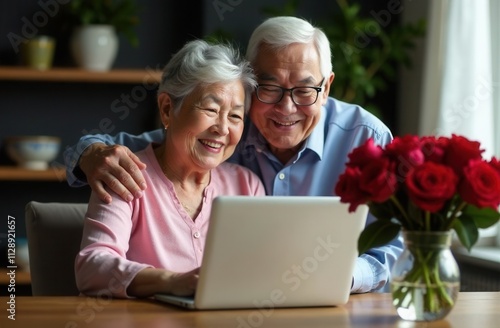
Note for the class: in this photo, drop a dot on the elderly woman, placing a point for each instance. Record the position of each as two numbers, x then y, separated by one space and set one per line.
154 244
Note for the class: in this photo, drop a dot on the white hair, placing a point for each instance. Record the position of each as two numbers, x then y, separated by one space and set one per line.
279 32
200 62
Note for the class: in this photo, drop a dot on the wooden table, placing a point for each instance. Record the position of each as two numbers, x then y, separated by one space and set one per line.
473 309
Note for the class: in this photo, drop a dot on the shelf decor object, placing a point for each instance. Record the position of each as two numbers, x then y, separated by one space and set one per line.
38 52
94 42
33 152
427 187
94 47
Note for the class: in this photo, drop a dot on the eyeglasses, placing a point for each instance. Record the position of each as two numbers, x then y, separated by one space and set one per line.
301 96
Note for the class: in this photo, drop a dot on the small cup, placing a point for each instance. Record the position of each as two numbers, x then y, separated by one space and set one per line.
38 52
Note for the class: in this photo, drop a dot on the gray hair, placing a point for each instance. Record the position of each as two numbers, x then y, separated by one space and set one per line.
279 32
200 63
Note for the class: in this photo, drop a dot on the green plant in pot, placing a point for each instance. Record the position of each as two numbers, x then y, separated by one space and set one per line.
97 23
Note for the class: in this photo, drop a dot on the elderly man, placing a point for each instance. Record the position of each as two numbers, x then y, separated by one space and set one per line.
297 139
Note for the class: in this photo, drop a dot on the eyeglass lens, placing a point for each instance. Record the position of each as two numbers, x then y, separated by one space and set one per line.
273 94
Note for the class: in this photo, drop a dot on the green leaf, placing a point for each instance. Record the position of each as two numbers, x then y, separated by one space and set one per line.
382 211
377 234
483 217
352 11
466 230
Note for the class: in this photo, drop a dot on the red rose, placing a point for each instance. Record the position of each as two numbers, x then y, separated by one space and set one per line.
430 185
434 148
348 188
460 151
495 163
480 185
406 152
364 154
378 180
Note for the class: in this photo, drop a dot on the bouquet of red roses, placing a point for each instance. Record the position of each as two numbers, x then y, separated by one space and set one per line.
422 184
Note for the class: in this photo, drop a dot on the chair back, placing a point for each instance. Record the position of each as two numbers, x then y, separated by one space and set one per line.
54 232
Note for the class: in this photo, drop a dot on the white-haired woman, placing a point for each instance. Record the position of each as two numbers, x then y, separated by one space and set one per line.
154 244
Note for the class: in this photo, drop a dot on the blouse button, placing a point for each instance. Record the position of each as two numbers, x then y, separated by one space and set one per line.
197 234
282 176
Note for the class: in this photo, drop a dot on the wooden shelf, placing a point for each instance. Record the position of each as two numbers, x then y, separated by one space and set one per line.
14 173
22 277
143 76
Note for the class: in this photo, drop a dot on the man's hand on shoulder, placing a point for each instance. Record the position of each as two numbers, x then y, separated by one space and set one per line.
114 166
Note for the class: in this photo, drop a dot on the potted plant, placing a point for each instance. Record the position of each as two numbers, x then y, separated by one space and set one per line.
94 42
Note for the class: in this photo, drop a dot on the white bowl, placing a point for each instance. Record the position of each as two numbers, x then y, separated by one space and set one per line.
33 152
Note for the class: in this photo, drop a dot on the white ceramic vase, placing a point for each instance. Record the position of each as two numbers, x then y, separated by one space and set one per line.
94 47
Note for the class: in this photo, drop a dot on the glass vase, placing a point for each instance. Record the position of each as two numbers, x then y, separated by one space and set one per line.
425 279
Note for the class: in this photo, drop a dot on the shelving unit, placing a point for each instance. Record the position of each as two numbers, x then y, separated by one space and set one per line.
71 75
13 173
22 277
15 73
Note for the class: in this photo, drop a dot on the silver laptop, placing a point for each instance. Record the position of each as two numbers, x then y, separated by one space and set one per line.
276 251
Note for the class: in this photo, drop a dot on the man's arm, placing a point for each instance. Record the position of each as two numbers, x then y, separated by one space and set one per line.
109 160
372 271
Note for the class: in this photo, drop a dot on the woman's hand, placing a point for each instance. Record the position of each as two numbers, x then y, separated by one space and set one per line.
151 281
184 284
114 166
